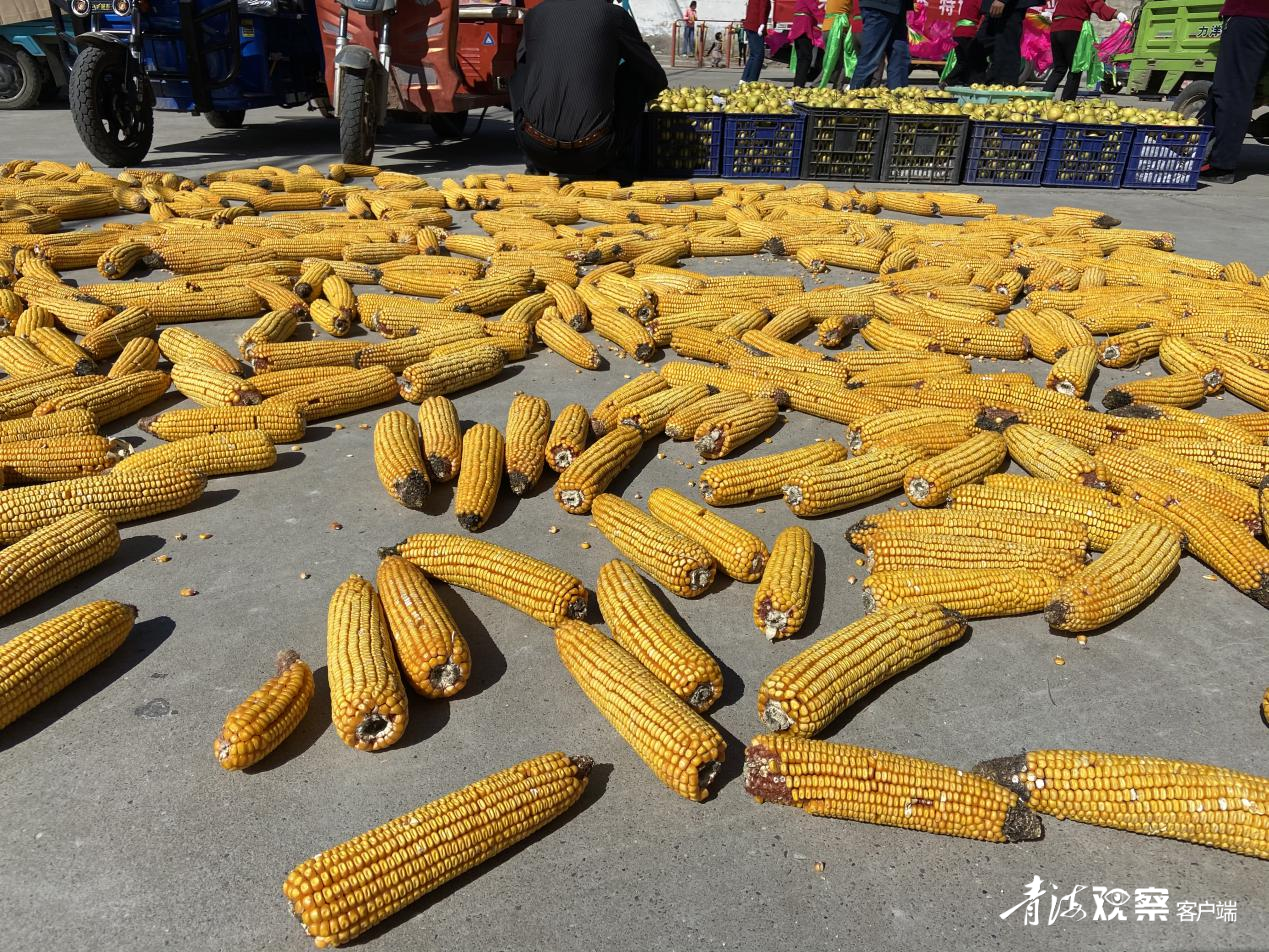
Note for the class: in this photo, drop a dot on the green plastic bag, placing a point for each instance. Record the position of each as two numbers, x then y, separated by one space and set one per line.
948 66
834 49
1086 60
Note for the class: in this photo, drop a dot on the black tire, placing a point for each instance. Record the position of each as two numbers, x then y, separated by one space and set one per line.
225 118
21 78
1191 100
448 125
358 118
109 106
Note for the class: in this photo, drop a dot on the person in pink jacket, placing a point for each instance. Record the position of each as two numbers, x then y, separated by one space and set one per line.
806 34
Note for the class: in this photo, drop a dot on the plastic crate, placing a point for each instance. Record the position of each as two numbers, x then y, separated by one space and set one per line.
928 150
1007 153
965 94
1166 156
1087 156
843 144
682 144
761 146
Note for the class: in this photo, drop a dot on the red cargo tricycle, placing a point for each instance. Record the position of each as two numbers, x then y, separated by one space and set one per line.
430 59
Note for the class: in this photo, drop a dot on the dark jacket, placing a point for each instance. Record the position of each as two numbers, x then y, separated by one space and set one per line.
1246 8
889 6
1011 6
566 69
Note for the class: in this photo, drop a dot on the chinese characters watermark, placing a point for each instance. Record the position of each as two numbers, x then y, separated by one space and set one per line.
1111 904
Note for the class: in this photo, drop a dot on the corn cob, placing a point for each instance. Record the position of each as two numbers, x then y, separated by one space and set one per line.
872 786
680 747
1049 456
368 703
139 354
180 345
1184 801
70 423
484 452
281 423
442 375
1072 373
1256 424
43 660
399 353
442 437
818 490
1247 383
270 356
595 468
719 435
111 399
567 438
329 318
1181 390
61 350
1244 462
20 358
568 343
1184 477
399 459
54 458
528 433
901 549
974 593
1179 356
683 566
541 591
928 482
1175 418
935 429
331 901
1129 348
342 394
309 283
808 692
53 554
433 654
221 303
605 415
783 595
216 454
641 626
23 398
739 553
212 388
255 728
31 318
281 381
649 414
109 338
726 484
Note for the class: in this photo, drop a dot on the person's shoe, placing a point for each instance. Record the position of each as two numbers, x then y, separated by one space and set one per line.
1216 176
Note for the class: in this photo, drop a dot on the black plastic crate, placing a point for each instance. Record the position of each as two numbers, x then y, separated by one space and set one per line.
1166 156
1087 156
926 150
682 144
843 144
1007 153
762 146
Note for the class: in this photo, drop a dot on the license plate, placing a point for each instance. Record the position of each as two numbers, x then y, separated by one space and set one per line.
102 6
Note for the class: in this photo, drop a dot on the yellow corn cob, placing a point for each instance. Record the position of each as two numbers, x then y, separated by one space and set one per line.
974 593
572 309
528 432
281 423
1048 456
566 342
722 434
830 487
442 437
1184 801
339 293
112 399
255 728
567 438
268 356
43 660
368 703
1072 373
649 414
1091 430
1256 424
342 394
61 350
684 422
53 554
701 343
399 459
329 318
727 484
475 824
935 429
872 786
1221 543
442 375
624 331
641 626
1132 347
54 458
784 592
1192 481
595 468
680 564
1179 356
138 355
680 747
180 345
1244 462
605 415
20 358
277 297
808 692
928 482
1247 383
34 316
399 353
433 654
109 339
309 283
216 454
280 381
484 452
212 388
22 400
902 549
541 591
739 553
70 423
1132 569
1181 390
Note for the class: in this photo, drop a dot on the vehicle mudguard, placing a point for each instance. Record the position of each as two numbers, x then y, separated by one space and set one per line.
356 58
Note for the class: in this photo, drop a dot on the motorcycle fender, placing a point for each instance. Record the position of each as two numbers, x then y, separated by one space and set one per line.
105 41
355 59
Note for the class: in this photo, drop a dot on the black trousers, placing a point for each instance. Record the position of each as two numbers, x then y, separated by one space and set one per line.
1240 62
802 46
1063 44
971 62
1003 36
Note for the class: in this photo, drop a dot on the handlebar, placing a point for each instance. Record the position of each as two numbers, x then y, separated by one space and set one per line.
490 11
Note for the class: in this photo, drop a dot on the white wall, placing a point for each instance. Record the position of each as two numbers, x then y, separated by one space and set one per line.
656 16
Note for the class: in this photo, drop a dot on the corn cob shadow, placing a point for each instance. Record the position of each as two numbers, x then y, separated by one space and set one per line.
131 549
596 784
287 460
815 607
313 725
489 664
208 500
440 499
314 433
646 455
144 638
165 402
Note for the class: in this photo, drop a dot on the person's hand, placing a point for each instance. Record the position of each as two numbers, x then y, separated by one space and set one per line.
1121 17
997 8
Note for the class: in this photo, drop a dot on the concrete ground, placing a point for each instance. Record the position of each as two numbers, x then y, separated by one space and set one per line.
120 831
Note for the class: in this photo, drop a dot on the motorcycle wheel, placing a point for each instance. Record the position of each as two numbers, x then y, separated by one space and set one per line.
109 107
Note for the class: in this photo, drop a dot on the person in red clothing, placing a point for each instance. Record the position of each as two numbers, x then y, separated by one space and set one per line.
1240 62
805 34
971 55
757 12
1069 18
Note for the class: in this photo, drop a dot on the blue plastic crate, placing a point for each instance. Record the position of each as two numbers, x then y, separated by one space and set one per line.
923 149
1007 153
843 144
760 146
1166 156
1087 156
682 144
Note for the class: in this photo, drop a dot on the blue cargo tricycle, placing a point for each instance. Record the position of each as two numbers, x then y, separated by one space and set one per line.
31 66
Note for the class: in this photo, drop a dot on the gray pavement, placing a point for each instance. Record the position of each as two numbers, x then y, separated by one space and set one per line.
121 832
